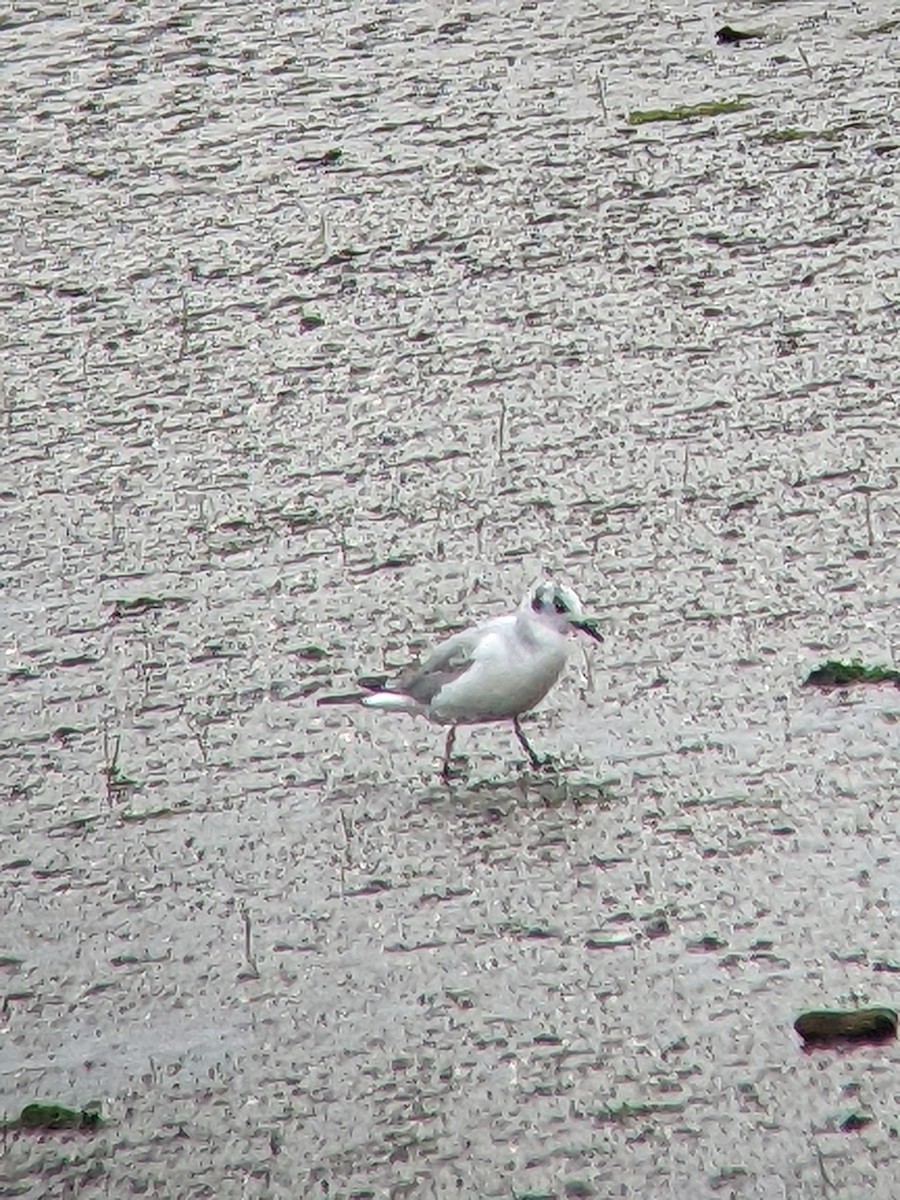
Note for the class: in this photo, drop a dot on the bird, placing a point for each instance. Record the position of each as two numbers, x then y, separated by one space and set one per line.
494 671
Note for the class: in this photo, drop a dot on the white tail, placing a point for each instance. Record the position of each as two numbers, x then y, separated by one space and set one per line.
389 700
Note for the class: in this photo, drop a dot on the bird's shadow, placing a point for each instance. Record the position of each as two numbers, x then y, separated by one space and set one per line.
539 789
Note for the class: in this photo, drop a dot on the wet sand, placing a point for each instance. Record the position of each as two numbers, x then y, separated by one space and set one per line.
319 409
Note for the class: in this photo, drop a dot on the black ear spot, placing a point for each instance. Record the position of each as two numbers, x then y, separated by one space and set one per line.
537 601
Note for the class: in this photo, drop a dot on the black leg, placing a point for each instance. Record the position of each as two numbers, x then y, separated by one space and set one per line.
536 760
448 754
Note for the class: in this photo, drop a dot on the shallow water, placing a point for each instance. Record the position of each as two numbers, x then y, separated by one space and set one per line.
660 360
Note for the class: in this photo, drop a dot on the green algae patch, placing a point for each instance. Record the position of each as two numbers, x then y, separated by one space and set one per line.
838 674
54 1117
859 1025
777 137
687 112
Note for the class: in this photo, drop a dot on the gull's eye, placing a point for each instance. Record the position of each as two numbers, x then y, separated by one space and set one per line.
560 605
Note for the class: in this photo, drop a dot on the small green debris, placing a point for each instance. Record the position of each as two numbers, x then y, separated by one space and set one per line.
615 1113
56 1116
727 1175
708 942
133 817
860 1025
310 321
302 518
77 824
611 942
884 28
687 112
372 888
136 607
727 36
19 674
116 779
103 985
776 137
835 674
65 732
328 159
855 1121
547 1039
311 653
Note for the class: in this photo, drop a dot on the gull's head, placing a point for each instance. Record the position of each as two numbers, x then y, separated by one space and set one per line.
558 606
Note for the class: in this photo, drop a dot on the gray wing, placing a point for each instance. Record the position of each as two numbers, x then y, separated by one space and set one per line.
445 664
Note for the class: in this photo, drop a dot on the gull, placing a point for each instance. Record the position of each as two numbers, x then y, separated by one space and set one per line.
494 671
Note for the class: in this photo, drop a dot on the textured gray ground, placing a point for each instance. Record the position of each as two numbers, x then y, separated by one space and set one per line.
659 360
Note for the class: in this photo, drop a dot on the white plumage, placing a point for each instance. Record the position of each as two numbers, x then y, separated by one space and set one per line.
495 671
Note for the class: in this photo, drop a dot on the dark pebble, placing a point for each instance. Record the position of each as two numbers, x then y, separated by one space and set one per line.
863 1025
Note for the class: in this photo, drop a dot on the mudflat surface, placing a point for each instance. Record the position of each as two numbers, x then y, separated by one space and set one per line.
273 415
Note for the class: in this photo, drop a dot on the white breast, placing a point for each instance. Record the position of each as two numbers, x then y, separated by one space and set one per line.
509 675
